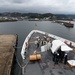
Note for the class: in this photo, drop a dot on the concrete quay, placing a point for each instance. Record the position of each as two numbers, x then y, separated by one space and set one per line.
7 53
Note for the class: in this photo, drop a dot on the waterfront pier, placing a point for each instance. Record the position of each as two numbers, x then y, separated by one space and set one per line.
7 50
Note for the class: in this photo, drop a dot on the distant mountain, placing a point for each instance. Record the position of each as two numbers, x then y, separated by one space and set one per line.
38 15
30 15
59 16
71 16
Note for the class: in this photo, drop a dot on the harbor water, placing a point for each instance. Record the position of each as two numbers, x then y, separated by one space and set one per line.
22 28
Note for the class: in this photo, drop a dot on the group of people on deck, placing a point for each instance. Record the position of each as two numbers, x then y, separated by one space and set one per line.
42 41
60 56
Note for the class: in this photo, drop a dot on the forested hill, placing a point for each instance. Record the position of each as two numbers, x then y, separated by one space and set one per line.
33 15
65 16
37 15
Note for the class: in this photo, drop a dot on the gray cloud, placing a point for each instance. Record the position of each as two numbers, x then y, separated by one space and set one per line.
17 1
20 1
41 6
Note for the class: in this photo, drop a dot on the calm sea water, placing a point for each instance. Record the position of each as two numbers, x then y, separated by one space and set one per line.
22 28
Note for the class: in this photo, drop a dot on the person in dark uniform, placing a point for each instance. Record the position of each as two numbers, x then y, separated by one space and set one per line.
37 44
62 55
56 57
65 59
42 43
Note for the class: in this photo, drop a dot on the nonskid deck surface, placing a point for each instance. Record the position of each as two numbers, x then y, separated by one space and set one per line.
45 66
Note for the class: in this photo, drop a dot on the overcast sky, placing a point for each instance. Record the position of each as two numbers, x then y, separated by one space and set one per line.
38 6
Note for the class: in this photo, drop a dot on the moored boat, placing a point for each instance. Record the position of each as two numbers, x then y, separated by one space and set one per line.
68 24
46 54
